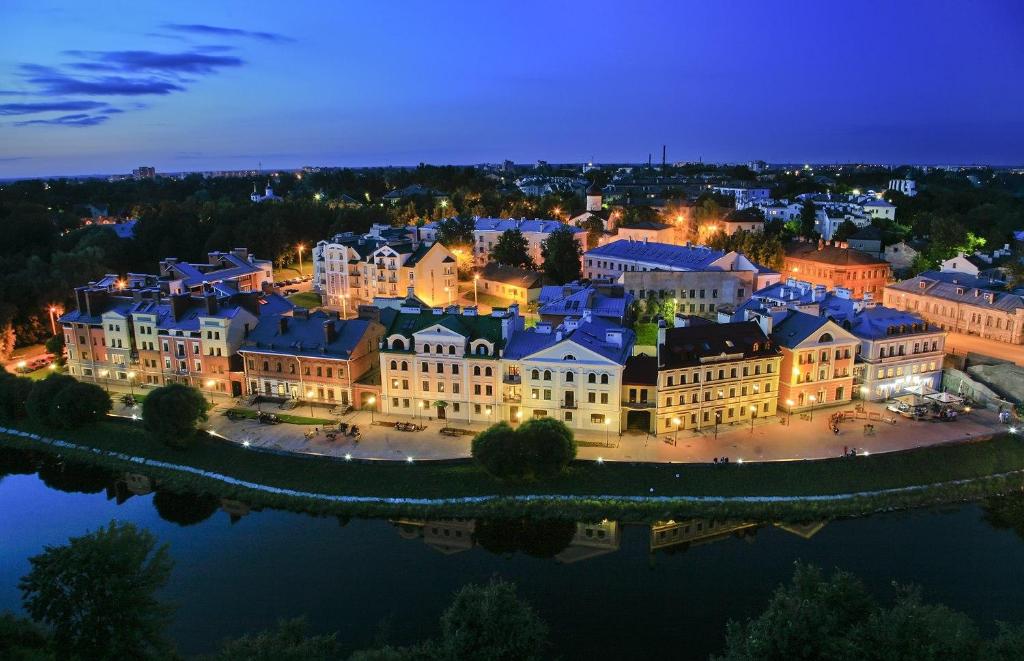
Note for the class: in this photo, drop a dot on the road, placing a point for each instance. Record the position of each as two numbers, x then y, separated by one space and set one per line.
960 344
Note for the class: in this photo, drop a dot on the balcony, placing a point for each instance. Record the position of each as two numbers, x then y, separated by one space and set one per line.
568 405
512 399
514 379
647 404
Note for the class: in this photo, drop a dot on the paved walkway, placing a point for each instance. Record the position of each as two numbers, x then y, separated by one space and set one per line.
961 344
776 439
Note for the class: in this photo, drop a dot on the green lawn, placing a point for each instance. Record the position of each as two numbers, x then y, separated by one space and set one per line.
306 299
432 480
646 334
286 418
290 271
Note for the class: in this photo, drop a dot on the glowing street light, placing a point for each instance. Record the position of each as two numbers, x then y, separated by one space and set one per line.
607 428
519 416
309 398
371 402
131 383
448 290
789 406
476 301
753 414
813 400
210 384
105 374
54 310
678 423
419 411
299 248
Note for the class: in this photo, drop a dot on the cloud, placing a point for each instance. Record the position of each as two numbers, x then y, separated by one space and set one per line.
49 106
78 119
213 30
145 61
54 82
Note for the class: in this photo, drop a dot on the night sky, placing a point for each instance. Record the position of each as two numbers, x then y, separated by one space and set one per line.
103 87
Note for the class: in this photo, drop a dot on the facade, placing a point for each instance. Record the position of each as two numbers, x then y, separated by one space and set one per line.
521 286
906 186
315 357
624 256
880 208
241 270
836 267
745 197
817 359
651 231
715 374
351 270
489 229
960 303
901 255
446 363
572 372
640 393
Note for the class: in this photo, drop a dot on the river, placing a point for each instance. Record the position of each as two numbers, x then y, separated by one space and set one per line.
607 589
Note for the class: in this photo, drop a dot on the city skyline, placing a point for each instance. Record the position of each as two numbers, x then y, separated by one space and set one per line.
192 87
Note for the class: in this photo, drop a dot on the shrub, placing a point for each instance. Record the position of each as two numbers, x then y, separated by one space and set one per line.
172 413
538 448
14 391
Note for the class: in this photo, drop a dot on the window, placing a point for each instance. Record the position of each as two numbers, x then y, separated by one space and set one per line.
604 379
597 418
394 364
604 398
569 377
547 375
426 386
451 350
476 370
455 369
535 374
591 378
488 371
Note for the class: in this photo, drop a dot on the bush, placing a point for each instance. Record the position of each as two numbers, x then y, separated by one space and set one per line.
40 401
172 413
538 448
79 404
491 622
14 392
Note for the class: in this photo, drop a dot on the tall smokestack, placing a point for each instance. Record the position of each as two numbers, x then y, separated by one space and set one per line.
664 152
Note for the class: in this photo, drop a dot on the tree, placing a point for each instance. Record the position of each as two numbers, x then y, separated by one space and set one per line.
14 392
561 253
491 623
538 448
21 640
40 401
288 641
457 231
512 249
846 229
79 404
173 412
915 630
55 345
808 215
185 509
97 593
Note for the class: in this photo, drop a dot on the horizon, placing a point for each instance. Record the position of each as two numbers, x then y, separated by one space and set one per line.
194 88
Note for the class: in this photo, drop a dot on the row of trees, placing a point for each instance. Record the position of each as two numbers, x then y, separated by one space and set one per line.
58 401
97 597
537 448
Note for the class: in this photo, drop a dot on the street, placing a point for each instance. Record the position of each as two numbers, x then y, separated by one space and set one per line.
961 344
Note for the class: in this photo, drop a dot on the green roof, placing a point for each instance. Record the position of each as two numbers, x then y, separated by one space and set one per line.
473 328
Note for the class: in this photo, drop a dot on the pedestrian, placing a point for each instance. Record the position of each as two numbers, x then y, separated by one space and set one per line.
715 460
846 450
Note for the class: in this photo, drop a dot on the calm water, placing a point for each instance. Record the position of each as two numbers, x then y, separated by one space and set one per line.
611 589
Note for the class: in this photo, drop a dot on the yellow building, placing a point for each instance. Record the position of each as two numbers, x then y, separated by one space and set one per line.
715 374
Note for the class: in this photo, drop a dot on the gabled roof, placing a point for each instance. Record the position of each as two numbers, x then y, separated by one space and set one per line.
591 335
961 288
687 345
640 371
828 254
470 327
662 255
575 299
796 327
511 275
306 336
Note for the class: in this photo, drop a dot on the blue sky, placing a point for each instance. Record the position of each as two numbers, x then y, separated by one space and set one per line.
105 87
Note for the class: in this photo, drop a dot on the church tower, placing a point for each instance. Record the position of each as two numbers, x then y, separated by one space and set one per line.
593 198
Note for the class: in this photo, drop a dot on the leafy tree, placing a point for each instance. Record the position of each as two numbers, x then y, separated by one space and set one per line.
41 400
914 630
846 229
457 231
79 404
289 640
173 412
14 392
97 594
185 509
538 448
512 249
491 623
21 640
561 253
1008 645
807 217
55 345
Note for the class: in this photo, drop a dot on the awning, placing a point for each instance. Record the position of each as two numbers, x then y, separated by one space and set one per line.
945 398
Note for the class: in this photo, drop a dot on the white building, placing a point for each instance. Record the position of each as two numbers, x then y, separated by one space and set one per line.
906 186
488 230
745 197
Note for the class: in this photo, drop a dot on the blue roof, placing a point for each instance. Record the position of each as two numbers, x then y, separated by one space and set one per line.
588 334
306 336
872 322
505 224
796 327
573 299
665 255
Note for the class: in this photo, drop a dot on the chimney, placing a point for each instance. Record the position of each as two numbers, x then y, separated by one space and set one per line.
367 313
282 325
300 313
80 298
211 302
330 332
662 326
179 305
613 337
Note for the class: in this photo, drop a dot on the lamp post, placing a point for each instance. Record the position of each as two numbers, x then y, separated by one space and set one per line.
419 412
753 412
344 306
488 411
372 401
309 399
678 423
476 300
54 311
607 428
131 383
519 416
299 248
106 384
448 290
210 383
789 408
813 399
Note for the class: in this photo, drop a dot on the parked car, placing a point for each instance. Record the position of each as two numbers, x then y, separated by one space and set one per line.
291 290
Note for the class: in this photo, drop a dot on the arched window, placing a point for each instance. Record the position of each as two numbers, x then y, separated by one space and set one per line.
569 377
604 378
266 366
451 350
405 366
440 349
825 337
394 364
398 344
547 375
754 347
591 378
535 374
481 350
488 372
569 356
476 370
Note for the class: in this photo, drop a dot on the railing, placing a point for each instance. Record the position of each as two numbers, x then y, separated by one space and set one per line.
512 378
512 399
568 405
648 404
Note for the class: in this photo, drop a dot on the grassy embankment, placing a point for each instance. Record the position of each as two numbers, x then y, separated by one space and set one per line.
979 462
284 417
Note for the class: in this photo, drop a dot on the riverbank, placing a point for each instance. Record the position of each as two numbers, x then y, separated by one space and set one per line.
588 490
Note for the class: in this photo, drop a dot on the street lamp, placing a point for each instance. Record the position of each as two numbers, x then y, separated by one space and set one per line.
344 306
448 290
309 398
210 383
488 410
813 399
678 423
476 301
607 428
54 311
299 248
519 416
753 411
106 384
372 401
789 407
131 383
419 412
